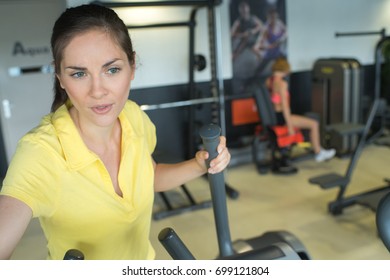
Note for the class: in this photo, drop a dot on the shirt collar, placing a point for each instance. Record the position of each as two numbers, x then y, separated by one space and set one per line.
75 151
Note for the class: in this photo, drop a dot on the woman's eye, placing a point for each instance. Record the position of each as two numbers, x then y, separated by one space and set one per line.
78 75
113 70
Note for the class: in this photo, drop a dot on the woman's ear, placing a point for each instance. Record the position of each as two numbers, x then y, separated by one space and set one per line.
57 75
59 81
133 66
132 75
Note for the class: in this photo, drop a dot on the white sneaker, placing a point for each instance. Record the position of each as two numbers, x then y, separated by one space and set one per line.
325 155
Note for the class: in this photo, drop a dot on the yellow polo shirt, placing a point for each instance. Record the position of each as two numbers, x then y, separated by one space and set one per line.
69 189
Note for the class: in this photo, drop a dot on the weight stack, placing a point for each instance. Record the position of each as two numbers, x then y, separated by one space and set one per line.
336 98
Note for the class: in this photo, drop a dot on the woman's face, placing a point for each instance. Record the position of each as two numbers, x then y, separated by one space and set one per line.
96 74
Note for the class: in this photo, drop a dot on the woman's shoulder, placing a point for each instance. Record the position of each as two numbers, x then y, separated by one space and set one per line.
132 109
136 117
43 136
44 130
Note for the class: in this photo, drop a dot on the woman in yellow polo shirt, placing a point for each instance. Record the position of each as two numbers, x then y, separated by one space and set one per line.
86 171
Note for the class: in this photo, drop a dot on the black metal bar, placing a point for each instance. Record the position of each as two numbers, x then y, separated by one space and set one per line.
210 136
363 138
159 3
191 86
188 194
180 210
378 64
213 68
216 50
354 199
174 245
166 200
172 211
382 32
157 25
174 104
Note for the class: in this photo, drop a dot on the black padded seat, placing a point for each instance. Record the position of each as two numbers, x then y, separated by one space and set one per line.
346 128
328 181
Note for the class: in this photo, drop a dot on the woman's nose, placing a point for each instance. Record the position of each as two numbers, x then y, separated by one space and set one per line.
98 89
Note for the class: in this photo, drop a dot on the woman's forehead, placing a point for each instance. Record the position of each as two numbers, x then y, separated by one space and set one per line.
92 44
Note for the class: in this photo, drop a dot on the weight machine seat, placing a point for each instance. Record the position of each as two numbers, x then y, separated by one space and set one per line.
383 220
278 136
283 138
330 180
268 119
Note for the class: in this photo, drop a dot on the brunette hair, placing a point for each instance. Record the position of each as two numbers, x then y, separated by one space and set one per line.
77 20
281 64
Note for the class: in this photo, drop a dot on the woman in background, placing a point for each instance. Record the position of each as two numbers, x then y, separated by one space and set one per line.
280 98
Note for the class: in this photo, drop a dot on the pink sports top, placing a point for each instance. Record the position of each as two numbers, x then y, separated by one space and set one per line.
276 98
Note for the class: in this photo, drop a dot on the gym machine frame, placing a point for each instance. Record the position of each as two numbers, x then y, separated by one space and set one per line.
371 198
280 245
195 62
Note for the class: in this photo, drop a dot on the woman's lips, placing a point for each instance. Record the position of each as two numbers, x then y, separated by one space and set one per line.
102 109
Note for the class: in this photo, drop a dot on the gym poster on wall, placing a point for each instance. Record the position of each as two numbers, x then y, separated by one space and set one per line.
258 36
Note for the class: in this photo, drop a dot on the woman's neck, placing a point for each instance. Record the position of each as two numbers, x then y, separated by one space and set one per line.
95 136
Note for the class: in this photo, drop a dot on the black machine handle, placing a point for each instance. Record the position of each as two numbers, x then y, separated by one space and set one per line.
174 246
210 137
74 254
382 220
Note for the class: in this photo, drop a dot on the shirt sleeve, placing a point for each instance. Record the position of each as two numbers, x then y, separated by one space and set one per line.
31 177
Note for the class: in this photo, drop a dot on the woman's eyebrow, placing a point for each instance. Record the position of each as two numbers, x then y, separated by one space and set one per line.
76 68
80 68
110 62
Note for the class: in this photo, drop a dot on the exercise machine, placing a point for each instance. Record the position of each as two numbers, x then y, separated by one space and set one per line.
74 255
280 141
270 245
336 98
371 198
272 138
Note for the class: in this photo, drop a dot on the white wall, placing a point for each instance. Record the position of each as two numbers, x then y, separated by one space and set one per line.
312 24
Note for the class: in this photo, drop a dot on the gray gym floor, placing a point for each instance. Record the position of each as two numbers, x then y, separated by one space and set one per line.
270 202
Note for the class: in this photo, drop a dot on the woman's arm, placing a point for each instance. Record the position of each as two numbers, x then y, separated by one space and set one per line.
286 106
259 44
234 30
15 216
259 26
169 176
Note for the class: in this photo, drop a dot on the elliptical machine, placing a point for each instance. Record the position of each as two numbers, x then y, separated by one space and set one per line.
268 246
